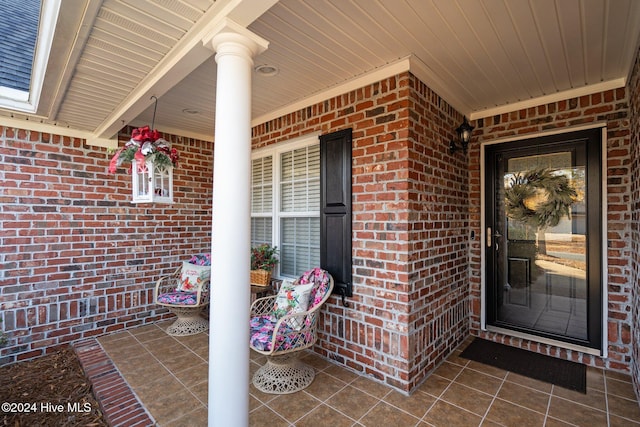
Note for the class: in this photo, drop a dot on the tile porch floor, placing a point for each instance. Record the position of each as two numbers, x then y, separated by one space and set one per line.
165 372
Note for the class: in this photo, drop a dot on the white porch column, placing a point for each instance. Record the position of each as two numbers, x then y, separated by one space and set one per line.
235 47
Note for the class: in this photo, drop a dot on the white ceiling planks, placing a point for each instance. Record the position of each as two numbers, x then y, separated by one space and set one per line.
481 55
128 39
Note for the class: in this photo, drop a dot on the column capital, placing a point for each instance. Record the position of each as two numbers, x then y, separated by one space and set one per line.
230 33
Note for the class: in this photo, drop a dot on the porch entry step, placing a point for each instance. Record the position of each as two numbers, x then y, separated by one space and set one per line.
563 373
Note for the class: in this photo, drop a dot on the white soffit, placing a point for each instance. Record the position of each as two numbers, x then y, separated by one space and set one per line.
484 57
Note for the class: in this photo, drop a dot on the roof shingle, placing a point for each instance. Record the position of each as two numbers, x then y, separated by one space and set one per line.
19 30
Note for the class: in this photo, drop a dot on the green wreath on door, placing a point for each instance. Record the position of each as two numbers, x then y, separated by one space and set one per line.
553 193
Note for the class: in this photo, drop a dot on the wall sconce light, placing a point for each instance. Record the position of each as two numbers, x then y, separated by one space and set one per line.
464 136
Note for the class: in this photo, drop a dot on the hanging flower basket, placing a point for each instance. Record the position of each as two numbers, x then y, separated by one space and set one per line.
145 144
152 161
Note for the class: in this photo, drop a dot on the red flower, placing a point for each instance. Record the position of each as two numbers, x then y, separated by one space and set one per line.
163 149
144 134
143 142
174 156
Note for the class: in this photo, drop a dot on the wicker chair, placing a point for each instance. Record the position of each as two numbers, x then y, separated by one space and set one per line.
186 305
281 336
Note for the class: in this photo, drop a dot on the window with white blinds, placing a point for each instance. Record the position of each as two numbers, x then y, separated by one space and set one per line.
261 200
285 204
300 180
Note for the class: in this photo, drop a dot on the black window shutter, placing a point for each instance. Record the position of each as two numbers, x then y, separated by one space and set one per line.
335 209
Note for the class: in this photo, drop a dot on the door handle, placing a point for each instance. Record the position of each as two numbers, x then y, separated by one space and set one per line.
490 237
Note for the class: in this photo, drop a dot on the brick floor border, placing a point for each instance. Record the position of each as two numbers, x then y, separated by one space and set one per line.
119 404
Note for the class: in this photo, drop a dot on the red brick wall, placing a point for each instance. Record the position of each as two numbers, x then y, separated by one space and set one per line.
412 257
438 227
409 227
77 258
634 104
613 107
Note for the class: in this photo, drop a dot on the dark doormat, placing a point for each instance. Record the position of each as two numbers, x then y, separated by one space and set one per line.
563 373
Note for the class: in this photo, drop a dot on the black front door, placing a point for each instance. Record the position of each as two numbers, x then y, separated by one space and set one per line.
543 237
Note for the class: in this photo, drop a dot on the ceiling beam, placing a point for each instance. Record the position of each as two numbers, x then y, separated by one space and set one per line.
74 25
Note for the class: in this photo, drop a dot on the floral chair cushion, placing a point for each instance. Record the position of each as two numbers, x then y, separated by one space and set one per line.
262 329
292 298
293 332
179 298
201 259
192 276
320 280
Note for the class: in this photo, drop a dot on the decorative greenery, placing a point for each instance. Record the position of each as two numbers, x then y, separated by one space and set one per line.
526 203
264 257
145 144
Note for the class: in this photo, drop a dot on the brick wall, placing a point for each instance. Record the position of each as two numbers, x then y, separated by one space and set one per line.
77 259
80 260
438 234
612 106
634 103
409 226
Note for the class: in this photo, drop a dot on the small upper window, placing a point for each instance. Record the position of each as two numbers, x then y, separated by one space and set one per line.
27 32
19 27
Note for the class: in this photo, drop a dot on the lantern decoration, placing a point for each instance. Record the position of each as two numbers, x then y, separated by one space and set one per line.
151 161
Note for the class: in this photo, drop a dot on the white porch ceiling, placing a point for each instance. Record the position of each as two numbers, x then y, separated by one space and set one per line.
480 55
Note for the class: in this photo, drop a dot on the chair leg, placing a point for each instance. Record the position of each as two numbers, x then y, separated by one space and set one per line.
283 375
188 322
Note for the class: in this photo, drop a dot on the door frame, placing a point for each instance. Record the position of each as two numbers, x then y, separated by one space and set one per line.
603 237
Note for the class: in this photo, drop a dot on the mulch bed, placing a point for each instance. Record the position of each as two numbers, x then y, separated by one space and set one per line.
49 391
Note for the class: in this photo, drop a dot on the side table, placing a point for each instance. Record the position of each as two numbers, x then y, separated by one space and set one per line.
261 291
265 291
